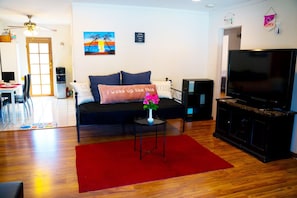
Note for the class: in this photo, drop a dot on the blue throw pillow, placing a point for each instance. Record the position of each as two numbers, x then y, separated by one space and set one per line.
138 78
112 79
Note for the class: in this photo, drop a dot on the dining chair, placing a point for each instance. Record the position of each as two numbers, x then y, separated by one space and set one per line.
28 92
22 98
4 104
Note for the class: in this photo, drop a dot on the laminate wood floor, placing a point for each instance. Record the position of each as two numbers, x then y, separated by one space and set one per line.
45 161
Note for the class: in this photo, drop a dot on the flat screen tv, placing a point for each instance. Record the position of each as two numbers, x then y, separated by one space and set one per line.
262 78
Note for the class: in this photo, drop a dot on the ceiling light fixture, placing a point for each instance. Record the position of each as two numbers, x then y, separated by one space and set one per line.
196 0
30 32
31 27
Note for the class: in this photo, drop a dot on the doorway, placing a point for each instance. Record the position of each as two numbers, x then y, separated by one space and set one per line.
40 65
231 41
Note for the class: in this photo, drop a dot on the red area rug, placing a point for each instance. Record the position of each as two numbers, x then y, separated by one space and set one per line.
112 164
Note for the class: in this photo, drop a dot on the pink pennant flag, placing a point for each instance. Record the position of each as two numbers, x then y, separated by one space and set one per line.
269 21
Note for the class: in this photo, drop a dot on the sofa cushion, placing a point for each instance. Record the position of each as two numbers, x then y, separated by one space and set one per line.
137 78
163 88
83 92
124 93
112 79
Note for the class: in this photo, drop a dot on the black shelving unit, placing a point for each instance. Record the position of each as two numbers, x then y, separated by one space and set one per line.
197 96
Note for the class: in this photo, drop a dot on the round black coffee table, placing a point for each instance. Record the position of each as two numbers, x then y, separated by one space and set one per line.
142 122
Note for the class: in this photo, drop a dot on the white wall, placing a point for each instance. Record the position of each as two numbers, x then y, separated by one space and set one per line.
175 41
251 18
9 59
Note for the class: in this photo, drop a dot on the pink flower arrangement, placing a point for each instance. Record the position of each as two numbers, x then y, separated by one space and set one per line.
151 101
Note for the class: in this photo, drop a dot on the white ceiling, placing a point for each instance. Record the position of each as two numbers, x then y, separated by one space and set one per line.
59 11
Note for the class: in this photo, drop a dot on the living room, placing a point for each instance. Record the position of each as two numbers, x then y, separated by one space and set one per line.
178 43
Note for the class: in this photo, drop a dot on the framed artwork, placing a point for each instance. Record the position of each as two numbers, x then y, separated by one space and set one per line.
99 43
139 37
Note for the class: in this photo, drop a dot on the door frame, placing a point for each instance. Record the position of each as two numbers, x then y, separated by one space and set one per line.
47 40
225 45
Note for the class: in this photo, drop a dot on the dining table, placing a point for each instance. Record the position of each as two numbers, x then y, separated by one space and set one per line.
11 89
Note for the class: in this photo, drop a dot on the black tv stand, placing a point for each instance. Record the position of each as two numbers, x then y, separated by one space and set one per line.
243 102
266 134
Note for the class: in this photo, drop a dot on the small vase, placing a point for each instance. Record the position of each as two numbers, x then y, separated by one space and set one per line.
150 118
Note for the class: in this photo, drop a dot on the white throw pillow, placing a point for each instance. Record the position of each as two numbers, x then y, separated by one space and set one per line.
163 88
84 92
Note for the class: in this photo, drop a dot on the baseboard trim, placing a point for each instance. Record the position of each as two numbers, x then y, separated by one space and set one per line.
294 155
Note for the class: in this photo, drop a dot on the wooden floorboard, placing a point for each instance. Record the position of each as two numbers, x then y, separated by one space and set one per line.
45 161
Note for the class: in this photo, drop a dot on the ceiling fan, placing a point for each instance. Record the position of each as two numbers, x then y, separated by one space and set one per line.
31 27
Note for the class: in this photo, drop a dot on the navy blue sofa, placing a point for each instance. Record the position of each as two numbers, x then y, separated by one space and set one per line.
89 112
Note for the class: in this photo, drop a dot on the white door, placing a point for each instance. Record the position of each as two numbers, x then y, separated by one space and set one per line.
39 53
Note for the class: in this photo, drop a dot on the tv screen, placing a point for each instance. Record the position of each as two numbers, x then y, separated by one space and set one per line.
262 78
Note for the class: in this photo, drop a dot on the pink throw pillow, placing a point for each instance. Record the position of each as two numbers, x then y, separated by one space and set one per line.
124 93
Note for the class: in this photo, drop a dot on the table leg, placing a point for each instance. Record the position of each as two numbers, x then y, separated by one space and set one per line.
134 128
13 107
156 141
164 140
140 144
142 124
140 141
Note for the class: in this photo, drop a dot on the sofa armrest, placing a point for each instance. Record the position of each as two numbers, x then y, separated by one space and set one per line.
176 94
76 102
77 116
